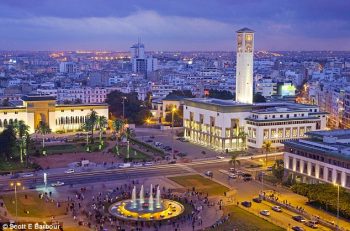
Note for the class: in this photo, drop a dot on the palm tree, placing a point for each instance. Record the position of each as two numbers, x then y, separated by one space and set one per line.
43 129
233 161
21 130
92 119
101 123
118 127
87 128
267 146
243 136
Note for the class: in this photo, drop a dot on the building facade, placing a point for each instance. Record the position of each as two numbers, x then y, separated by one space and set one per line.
37 109
226 124
324 157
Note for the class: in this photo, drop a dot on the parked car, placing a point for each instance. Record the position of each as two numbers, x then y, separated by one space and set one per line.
125 165
137 164
58 183
312 224
247 204
247 176
265 212
69 171
149 141
232 176
276 208
209 173
152 137
232 170
257 200
297 228
172 162
298 218
148 163
220 157
158 144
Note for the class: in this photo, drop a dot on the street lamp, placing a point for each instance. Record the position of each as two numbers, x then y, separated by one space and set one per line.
15 185
123 102
338 186
173 110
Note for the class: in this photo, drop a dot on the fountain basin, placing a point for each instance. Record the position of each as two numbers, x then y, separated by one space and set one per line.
125 210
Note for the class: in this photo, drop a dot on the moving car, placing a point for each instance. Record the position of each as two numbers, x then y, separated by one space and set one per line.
58 183
69 171
28 174
246 204
247 176
265 212
276 208
312 224
298 218
209 173
297 228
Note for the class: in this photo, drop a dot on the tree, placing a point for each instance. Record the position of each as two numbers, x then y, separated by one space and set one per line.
87 128
43 129
267 146
259 98
233 161
148 100
242 135
278 169
135 109
118 126
7 143
92 121
101 124
21 131
220 94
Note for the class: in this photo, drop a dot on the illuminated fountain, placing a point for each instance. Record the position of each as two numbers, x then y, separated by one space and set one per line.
146 209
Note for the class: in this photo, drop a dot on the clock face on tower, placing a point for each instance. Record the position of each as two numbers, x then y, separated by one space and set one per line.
248 43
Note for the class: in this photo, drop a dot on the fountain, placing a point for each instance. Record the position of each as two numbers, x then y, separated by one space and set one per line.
148 209
150 200
133 198
158 198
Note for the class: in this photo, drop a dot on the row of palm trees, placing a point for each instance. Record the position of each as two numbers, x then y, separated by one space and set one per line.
92 123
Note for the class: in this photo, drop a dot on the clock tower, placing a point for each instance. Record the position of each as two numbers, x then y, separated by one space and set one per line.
244 66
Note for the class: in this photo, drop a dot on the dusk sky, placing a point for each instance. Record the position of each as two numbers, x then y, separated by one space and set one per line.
173 24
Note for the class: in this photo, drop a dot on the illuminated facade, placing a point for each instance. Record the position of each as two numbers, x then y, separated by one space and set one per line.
44 108
244 66
323 157
225 124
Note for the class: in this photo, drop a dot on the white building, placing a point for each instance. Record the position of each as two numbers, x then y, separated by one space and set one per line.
84 94
36 109
140 62
244 69
220 124
69 67
323 157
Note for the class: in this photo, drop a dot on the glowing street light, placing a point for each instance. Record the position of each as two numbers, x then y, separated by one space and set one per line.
173 110
15 185
338 186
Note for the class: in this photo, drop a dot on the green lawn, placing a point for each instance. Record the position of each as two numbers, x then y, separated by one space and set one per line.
37 207
201 184
70 148
243 220
9 166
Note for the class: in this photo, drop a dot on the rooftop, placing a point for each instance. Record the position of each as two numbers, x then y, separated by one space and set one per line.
37 98
244 30
338 133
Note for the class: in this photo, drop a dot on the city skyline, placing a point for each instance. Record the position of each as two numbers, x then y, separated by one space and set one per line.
172 26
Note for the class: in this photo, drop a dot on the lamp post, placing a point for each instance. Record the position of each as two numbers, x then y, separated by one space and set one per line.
173 110
15 185
123 102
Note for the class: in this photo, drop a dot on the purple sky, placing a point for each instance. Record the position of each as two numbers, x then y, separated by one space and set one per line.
173 24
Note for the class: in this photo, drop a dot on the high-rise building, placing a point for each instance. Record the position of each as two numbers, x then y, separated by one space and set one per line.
140 62
69 67
244 66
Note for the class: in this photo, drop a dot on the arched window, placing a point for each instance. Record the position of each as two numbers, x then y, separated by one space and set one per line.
0 123
5 122
72 119
11 121
67 120
77 119
16 121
